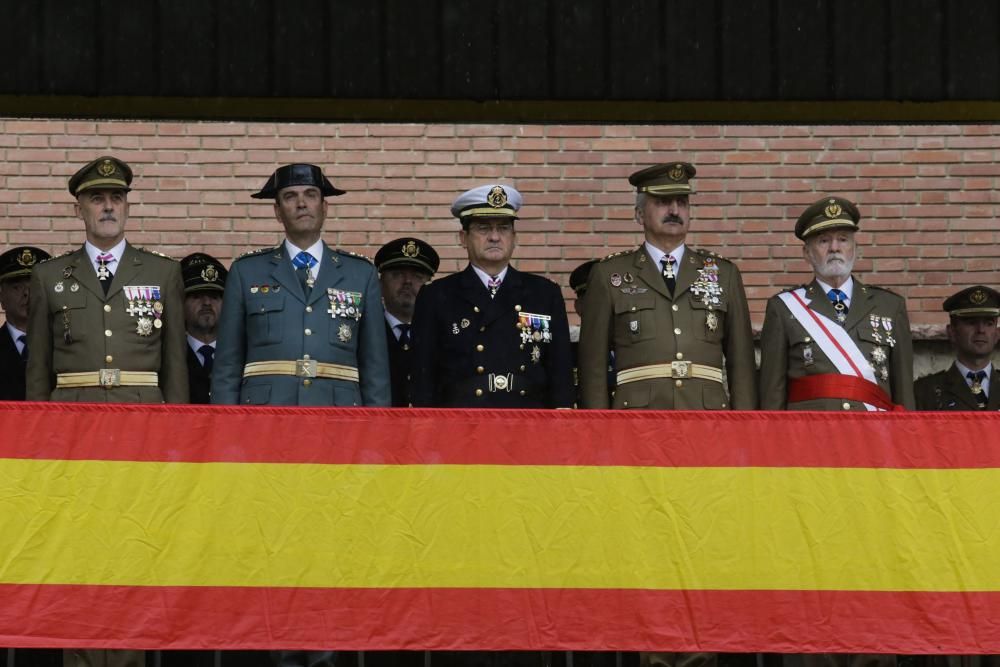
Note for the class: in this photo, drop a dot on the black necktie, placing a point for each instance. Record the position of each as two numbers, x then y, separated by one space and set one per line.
24 347
208 354
669 273
976 378
404 334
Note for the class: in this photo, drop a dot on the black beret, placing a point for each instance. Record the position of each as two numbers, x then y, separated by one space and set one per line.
297 174
407 252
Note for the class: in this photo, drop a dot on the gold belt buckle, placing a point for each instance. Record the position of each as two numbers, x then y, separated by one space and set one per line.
305 368
680 369
109 377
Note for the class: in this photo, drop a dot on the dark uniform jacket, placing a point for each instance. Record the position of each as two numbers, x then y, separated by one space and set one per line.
400 363
199 379
75 327
787 351
468 350
11 368
948 390
628 310
267 317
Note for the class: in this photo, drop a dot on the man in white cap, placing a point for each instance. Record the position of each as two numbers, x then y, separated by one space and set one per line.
491 336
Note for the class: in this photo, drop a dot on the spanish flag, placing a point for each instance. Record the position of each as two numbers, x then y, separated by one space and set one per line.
128 526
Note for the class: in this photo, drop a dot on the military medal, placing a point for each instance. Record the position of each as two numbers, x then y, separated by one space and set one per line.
344 304
977 387
102 272
807 356
879 356
875 321
344 332
616 280
536 354
883 373
465 322
74 287
887 325
534 327
706 287
253 289
627 277
144 326
711 321
58 287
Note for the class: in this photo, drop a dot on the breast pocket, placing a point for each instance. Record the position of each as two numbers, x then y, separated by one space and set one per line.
68 315
344 332
264 319
709 323
635 319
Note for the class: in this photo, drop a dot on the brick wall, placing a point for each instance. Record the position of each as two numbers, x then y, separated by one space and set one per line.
927 194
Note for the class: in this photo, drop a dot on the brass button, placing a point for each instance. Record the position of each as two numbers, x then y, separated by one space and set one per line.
847 406
633 309
675 307
475 309
308 332
483 328
680 355
107 332
65 307
309 309
480 348
723 405
480 369
808 339
523 393
307 382
518 308
677 331
107 308
305 356
679 383
521 346
624 404
522 368
108 359
479 392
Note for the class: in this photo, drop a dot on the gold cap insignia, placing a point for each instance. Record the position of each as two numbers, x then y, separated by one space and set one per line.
978 297
497 197
106 168
26 258
209 274
833 210
410 249
676 172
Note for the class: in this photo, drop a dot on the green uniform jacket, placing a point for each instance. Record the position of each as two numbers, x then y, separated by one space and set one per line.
948 390
788 352
74 327
267 317
629 311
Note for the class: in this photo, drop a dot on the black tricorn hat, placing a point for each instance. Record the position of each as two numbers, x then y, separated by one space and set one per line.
297 174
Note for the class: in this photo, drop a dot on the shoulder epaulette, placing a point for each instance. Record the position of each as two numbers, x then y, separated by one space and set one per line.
882 289
153 252
710 253
254 253
793 288
354 254
617 254
65 254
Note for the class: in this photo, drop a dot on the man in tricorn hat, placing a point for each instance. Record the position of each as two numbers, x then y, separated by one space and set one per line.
835 343
972 382
405 265
491 336
301 323
106 323
204 284
15 272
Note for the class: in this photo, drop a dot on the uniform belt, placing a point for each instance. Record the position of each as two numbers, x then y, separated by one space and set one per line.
302 368
675 369
839 387
108 378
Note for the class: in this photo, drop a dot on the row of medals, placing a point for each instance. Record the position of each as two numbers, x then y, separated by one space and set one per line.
708 290
143 303
346 305
879 355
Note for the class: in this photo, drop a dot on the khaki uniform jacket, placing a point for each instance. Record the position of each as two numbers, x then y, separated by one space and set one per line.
74 327
948 390
629 311
787 351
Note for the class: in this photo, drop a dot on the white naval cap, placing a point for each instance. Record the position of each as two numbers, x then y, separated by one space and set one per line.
491 200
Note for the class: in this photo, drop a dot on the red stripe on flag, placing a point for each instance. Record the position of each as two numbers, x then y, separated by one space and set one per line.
487 619
77 431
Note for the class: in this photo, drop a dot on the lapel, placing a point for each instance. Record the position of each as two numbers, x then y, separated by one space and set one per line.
331 273
819 302
956 385
472 290
994 399
688 270
647 270
284 275
128 266
83 272
861 304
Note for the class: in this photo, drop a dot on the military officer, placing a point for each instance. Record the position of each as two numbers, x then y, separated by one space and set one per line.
404 265
835 343
973 381
15 274
204 283
491 336
671 314
106 322
301 323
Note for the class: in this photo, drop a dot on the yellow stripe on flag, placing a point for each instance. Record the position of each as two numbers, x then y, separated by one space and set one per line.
229 524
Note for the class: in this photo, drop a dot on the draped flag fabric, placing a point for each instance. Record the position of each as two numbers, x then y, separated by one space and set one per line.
252 528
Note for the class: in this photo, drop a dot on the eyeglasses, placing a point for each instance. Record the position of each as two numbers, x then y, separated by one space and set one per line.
485 228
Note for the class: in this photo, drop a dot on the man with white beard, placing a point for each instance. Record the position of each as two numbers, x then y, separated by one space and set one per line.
835 343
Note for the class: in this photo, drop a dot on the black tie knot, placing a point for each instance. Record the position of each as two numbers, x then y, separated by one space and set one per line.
207 353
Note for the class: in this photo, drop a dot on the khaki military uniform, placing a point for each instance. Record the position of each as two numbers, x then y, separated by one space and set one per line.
948 390
76 328
788 352
671 349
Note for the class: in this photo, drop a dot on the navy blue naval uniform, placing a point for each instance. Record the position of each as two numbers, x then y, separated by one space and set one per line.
468 351
267 317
